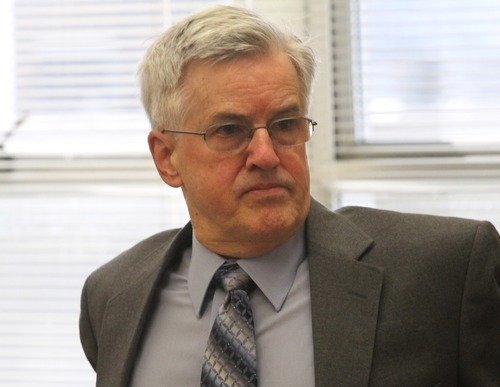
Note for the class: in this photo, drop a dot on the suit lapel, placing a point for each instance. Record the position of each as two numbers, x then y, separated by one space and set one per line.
344 299
126 314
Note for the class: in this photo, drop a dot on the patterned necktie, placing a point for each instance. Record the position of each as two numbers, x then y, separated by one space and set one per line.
230 357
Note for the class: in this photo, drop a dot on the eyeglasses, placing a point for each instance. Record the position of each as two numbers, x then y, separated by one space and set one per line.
232 136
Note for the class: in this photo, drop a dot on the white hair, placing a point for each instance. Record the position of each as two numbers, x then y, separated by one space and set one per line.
217 34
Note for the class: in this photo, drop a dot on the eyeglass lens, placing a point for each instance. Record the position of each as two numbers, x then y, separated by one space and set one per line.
284 132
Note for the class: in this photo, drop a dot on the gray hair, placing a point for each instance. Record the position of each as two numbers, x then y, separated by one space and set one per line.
217 34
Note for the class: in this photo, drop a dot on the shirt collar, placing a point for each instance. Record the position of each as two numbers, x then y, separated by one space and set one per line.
273 272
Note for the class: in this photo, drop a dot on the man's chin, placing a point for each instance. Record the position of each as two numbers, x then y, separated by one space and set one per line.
271 221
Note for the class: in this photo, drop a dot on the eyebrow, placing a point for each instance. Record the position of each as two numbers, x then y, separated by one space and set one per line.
234 117
288 110
228 117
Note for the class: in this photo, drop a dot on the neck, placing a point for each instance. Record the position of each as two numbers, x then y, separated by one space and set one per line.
245 249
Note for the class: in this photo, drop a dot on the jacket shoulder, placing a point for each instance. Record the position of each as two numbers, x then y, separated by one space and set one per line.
420 236
116 273
378 219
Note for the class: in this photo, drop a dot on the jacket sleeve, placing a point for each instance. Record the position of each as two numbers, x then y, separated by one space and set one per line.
479 354
87 336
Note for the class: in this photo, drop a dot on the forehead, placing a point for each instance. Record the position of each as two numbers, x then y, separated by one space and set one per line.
250 86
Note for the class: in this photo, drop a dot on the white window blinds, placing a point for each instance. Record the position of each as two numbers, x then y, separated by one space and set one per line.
52 236
423 75
75 65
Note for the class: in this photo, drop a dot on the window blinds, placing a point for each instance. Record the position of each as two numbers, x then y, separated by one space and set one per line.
51 238
76 62
423 75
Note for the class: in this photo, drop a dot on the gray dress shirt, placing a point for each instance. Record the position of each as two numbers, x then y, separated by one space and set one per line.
172 350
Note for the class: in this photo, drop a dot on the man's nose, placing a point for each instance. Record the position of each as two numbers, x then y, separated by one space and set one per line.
260 151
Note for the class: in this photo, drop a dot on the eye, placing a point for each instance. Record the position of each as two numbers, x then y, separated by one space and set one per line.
285 125
229 130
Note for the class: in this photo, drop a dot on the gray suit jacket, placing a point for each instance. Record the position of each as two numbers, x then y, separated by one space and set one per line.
397 300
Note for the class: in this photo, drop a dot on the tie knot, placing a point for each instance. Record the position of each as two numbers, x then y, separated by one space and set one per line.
232 277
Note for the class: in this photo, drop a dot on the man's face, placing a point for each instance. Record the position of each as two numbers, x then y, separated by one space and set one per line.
247 202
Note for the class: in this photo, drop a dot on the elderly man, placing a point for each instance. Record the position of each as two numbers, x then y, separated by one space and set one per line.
359 297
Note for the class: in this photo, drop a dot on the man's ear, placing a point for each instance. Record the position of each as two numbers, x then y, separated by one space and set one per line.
162 149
